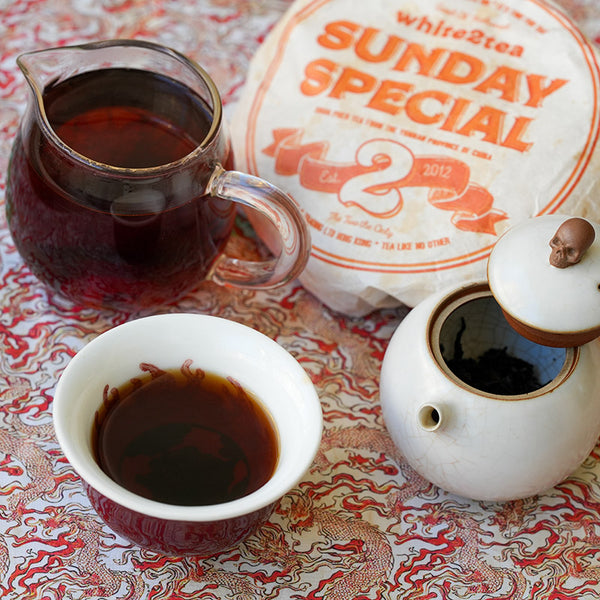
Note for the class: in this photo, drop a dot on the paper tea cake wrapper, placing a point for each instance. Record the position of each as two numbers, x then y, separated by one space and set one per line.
413 134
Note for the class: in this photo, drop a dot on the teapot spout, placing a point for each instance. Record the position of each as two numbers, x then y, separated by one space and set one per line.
430 417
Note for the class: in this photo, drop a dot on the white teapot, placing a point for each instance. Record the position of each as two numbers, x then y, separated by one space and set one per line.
492 390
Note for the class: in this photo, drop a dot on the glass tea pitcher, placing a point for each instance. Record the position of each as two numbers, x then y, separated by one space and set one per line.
120 188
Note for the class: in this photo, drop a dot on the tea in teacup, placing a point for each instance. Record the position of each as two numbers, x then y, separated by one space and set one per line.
185 437
273 402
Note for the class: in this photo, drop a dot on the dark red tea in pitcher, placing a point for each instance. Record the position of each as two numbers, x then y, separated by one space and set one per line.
116 212
120 187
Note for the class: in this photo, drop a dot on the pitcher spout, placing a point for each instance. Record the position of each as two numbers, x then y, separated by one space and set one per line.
41 68
45 68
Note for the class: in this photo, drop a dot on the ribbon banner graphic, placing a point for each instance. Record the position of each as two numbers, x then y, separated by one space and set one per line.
383 167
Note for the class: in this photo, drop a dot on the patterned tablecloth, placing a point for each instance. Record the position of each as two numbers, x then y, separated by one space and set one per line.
362 524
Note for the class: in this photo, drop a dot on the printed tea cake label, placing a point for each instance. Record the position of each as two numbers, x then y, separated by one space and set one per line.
413 134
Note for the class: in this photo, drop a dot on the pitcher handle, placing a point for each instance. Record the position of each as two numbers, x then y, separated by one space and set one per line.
282 212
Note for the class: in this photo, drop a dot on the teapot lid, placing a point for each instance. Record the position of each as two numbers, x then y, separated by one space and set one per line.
545 275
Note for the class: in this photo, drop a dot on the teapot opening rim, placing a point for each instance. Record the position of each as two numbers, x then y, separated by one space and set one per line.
448 307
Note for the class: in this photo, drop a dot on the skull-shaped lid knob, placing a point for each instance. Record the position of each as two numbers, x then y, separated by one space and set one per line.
545 275
570 242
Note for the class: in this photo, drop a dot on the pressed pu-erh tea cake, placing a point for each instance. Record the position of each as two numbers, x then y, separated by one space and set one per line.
414 134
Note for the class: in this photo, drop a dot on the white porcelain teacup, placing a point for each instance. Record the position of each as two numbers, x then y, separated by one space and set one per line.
214 345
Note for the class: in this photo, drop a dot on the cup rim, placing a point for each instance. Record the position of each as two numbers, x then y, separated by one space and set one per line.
289 470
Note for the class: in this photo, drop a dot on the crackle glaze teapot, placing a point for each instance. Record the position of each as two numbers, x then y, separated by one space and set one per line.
492 390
